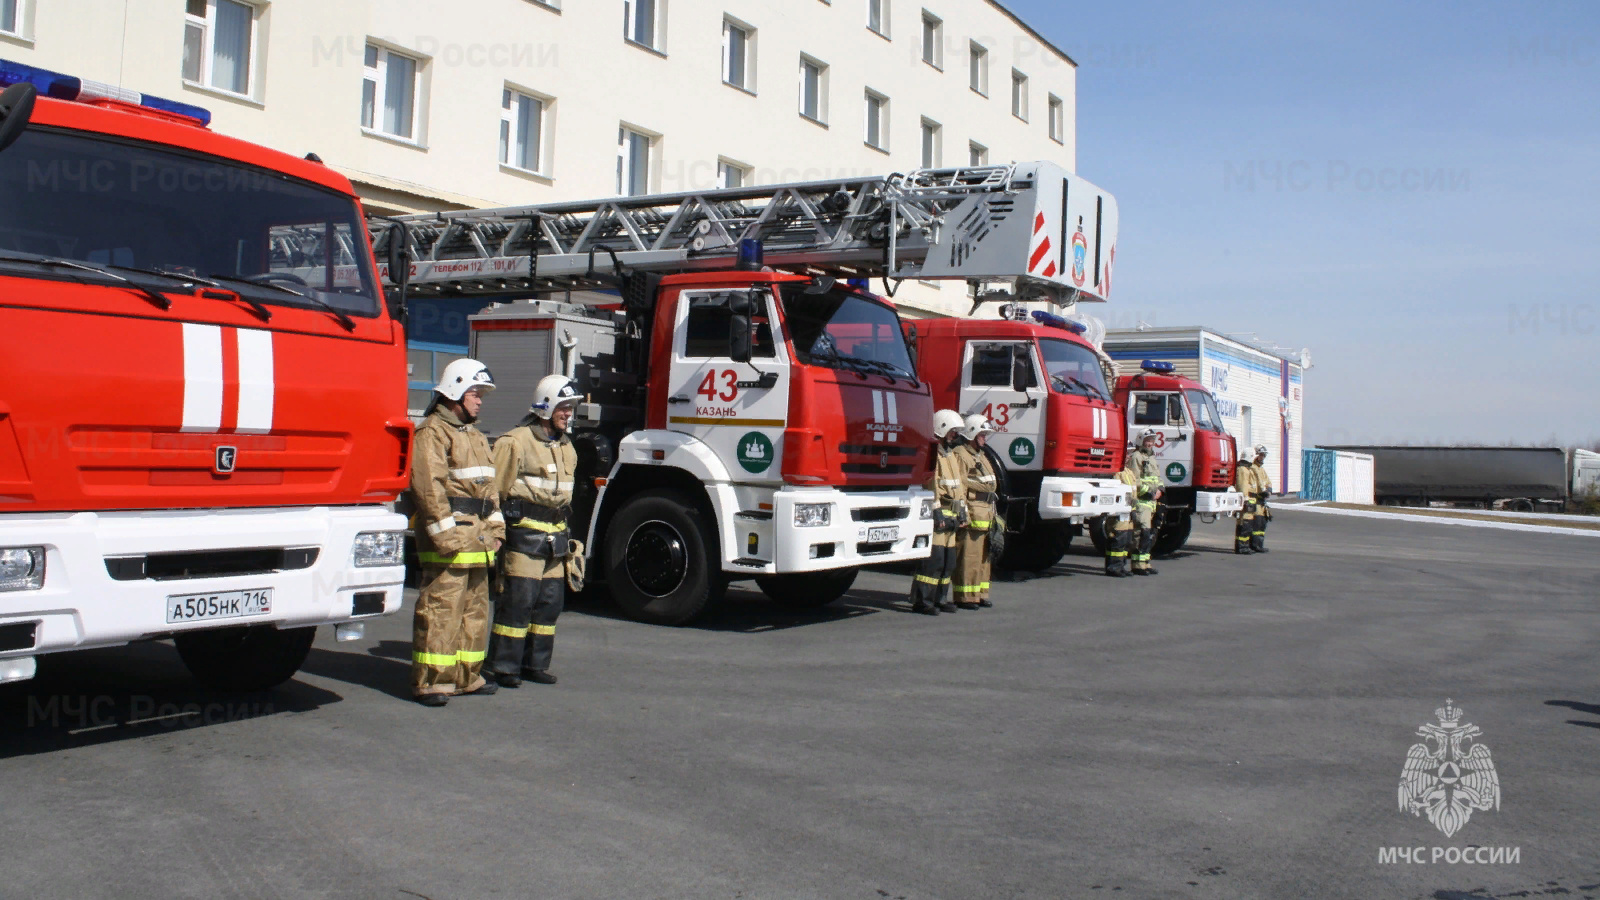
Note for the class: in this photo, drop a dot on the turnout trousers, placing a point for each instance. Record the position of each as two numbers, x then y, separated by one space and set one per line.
931 585
449 630
1118 546
971 580
1244 532
525 613
1144 534
1258 535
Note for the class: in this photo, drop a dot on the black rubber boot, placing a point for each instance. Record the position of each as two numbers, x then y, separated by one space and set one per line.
433 699
538 676
509 681
985 603
488 690
947 607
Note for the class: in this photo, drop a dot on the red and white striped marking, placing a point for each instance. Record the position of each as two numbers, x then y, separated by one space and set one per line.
222 371
1042 262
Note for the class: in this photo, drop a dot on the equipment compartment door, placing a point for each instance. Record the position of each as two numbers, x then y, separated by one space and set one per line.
722 402
1000 380
1167 414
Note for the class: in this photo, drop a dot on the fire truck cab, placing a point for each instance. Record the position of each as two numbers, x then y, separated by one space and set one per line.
1196 454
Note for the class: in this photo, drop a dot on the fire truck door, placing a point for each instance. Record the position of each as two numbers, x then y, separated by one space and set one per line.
1167 414
1000 379
737 409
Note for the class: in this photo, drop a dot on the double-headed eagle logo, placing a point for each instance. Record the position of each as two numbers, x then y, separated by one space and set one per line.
1449 781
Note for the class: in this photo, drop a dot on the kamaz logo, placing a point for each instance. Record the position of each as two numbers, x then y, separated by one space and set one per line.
227 457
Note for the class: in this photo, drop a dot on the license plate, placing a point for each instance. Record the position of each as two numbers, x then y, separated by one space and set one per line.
222 605
882 535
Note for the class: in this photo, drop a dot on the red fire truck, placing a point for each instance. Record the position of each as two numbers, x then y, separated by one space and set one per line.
749 412
203 411
1196 455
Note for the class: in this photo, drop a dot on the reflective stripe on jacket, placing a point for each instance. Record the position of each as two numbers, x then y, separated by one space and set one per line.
451 459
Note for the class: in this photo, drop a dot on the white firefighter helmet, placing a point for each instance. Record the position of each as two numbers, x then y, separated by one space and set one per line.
1149 434
1261 449
463 375
551 392
977 424
946 421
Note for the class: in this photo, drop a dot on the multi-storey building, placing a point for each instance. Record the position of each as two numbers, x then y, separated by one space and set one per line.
428 106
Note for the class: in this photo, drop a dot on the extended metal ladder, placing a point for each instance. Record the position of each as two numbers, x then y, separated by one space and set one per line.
893 227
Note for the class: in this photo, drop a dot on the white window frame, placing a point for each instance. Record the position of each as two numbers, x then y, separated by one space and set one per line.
933 40
978 68
1058 119
726 167
19 21
658 40
932 144
625 159
883 119
378 75
1019 94
977 154
821 118
208 46
510 122
748 83
881 7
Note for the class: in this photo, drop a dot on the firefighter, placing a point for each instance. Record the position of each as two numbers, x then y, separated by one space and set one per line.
1119 534
1144 475
458 530
1252 480
534 464
930 590
978 491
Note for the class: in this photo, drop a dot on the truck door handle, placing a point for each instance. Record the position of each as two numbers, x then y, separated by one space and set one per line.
678 399
1032 403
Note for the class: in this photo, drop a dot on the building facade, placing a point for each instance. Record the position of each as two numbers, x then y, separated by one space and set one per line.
1260 392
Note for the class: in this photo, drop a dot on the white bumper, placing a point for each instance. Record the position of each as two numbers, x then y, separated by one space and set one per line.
1218 502
1078 499
854 536
81 604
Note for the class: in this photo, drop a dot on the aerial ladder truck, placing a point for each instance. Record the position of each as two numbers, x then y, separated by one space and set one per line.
750 410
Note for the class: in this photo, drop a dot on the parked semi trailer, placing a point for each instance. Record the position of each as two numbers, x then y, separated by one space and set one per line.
1511 477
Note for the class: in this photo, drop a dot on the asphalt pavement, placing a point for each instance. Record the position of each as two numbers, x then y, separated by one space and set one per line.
1230 728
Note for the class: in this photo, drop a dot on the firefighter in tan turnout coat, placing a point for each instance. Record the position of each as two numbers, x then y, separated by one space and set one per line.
1255 484
978 484
930 588
534 465
458 530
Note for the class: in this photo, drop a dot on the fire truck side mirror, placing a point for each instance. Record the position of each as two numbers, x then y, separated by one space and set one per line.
741 339
16 107
1021 369
399 259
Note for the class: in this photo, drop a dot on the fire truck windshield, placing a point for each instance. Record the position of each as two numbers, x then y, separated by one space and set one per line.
837 328
155 216
1073 368
1204 408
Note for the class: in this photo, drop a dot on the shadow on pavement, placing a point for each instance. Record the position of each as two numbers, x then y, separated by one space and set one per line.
93 697
743 611
385 668
1585 708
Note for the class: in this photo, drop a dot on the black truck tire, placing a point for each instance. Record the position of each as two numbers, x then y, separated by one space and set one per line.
1174 533
1038 548
807 590
661 559
247 658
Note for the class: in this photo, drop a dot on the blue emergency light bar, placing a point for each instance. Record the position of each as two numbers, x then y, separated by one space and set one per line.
1055 321
864 285
1158 368
67 87
752 255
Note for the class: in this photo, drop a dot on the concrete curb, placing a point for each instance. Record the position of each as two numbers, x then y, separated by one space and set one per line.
1435 520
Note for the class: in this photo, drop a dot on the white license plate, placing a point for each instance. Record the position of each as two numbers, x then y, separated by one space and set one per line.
221 605
882 535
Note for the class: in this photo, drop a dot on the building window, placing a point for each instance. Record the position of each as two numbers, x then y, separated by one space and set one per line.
814 90
642 22
979 58
522 130
11 23
877 121
1058 120
731 174
218 42
932 40
633 162
977 154
738 55
389 93
932 141
878 16
1019 95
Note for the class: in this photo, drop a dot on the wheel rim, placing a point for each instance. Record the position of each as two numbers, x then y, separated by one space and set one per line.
657 558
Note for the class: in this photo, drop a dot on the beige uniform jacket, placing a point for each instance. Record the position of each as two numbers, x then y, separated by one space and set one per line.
530 467
977 480
450 459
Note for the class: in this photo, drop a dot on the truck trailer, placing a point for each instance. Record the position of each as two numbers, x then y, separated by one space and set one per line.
1487 477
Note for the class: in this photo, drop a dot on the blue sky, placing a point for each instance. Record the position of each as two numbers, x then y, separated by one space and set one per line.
1412 191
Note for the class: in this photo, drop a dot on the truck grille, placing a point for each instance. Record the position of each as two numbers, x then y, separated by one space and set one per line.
878 459
870 549
1084 460
210 563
